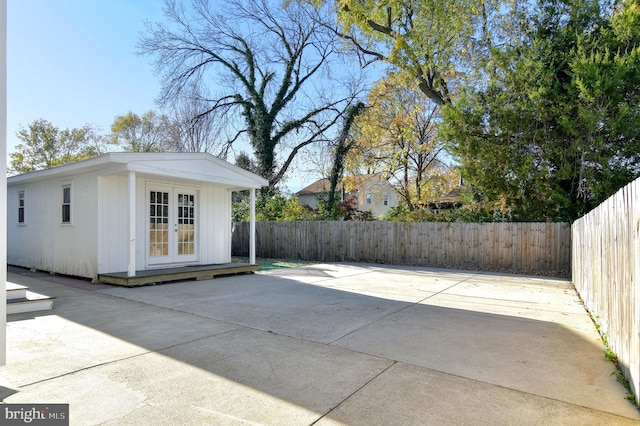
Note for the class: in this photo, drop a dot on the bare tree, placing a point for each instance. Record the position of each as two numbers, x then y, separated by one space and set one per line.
192 129
273 67
343 145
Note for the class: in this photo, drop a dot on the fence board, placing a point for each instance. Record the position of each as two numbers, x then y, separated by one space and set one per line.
512 247
605 265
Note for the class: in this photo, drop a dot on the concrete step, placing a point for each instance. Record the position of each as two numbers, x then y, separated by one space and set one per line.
16 291
20 300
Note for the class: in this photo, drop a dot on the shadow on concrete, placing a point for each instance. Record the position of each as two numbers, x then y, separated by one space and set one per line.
344 343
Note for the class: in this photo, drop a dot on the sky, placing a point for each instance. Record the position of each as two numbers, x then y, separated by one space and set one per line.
73 62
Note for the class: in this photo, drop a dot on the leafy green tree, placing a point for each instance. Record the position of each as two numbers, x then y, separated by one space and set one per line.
431 40
396 136
556 129
273 207
245 162
151 132
270 65
44 145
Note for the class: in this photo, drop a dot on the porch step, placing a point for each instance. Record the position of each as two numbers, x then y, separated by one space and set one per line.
167 275
20 300
16 291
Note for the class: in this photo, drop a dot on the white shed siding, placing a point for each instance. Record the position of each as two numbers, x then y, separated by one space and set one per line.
142 218
216 226
44 242
113 220
21 251
97 239
78 242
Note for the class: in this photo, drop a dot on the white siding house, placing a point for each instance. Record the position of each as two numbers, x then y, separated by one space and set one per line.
125 212
374 194
371 193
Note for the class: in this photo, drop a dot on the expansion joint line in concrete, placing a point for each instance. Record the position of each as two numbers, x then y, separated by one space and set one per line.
353 393
400 310
447 289
113 361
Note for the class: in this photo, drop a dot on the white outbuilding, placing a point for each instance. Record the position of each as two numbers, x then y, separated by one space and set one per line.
127 215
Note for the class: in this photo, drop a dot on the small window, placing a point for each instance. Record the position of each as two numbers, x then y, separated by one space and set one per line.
386 200
66 204
21 207
368 198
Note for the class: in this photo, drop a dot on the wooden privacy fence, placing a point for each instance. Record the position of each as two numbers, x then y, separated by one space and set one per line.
508 247
605 271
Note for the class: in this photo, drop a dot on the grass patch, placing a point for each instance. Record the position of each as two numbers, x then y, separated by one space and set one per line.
267 264
610 355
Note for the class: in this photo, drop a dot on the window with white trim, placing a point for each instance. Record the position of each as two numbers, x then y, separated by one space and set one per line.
21 206
386 200
368 198
66 203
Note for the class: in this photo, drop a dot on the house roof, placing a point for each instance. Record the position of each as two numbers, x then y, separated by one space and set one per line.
322 186
454 195
199 166
451 199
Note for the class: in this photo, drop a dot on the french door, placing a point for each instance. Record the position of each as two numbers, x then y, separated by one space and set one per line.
172 225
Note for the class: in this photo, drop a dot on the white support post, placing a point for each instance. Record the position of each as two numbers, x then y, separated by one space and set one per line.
252 227
131 269
3 181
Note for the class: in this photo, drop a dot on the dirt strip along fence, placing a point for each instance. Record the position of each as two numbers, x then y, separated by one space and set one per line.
606 273
539 248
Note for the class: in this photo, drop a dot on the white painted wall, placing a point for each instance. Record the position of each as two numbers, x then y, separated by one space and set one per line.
113 220
216 226
43 242
3 180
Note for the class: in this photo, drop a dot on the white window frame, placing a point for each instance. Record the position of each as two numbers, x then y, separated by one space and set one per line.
368 197
63 186
21 207
385 200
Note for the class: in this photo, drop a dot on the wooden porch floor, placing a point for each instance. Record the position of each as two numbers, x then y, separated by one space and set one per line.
158 276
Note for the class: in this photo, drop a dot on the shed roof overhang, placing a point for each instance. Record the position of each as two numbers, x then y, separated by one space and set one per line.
196 167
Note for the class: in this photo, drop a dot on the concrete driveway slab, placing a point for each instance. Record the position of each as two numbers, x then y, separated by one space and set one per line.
240 377
271 303
321 344
86 328
417 396
536 357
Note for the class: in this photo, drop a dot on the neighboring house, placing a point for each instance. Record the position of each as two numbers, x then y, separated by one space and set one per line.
125 212
373 193
451 200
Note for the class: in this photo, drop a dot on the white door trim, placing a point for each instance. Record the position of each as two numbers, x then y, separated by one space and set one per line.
165 242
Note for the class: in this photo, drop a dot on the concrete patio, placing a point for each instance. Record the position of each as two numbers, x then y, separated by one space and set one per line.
319 344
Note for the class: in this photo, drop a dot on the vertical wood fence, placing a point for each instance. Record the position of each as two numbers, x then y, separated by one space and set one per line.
606 269
508 247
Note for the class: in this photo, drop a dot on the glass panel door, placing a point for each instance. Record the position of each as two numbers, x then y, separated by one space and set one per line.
172 221
158 224
186 224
